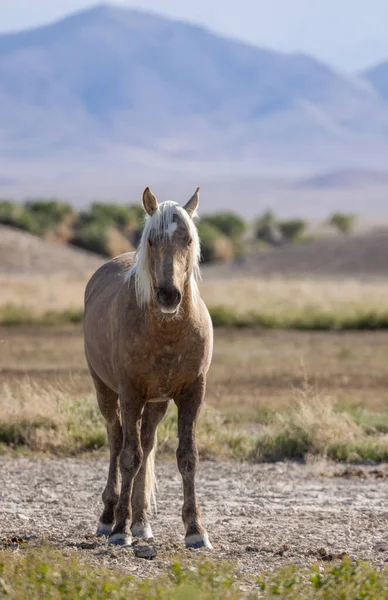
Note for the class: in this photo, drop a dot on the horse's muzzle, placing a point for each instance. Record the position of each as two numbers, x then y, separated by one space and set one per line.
168 299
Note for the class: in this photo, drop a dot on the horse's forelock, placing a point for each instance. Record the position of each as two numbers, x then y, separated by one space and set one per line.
160 224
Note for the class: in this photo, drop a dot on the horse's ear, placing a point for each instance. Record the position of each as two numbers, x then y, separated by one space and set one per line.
192 204
150 202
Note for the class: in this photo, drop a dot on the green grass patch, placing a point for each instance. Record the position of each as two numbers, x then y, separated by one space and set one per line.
308 319
54 575
343 581
13 315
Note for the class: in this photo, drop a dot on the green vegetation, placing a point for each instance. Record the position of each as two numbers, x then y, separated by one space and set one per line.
215 246
107 229
293 230
312 319
346 580
14 315
111 229
267 230
343 222
270 230
55 575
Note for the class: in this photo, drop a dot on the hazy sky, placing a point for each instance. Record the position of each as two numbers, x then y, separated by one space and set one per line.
350 34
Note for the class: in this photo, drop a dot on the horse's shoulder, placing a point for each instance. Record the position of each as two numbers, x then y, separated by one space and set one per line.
110 272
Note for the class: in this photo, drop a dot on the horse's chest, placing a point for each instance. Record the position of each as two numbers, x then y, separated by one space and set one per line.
167 370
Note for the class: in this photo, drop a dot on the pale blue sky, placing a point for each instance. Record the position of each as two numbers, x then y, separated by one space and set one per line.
350 34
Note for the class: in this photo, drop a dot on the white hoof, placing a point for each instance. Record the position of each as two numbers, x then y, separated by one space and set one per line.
199 540
142 530
120 539
104 529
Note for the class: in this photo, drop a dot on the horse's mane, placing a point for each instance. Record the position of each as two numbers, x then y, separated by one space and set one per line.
162 224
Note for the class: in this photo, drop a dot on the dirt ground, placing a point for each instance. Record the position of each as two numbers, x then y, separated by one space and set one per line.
258 516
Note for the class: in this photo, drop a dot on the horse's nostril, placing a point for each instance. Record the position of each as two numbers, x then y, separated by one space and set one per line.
168 296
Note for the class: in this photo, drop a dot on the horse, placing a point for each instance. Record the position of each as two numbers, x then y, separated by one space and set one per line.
148 340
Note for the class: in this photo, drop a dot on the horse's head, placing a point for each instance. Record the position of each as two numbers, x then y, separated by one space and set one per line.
168 255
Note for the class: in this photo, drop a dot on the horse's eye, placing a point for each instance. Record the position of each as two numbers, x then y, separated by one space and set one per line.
190 242
149 242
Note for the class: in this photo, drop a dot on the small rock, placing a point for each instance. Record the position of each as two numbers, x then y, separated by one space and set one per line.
252 549
147 552
280 551
88 545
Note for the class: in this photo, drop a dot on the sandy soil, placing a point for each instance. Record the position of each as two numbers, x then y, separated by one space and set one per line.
259 516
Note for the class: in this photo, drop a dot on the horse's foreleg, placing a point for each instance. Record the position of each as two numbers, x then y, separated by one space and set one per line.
130 461
143 489
189 404
109 407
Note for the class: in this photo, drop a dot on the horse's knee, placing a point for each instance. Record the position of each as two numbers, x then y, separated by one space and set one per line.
131 458
187 459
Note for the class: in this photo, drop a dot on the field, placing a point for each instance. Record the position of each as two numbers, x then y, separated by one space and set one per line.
293 442
307 396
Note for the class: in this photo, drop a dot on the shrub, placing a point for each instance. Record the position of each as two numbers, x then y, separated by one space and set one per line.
227 223
214 245
343 222
91 236
267 229
123 217
9 212
39 216
292 230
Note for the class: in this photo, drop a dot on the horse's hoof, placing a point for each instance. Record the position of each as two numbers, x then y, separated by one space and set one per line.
120 539
104 529
198 540
142 530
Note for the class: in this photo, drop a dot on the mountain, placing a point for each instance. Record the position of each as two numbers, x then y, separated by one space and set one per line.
377 76
109 79
108 100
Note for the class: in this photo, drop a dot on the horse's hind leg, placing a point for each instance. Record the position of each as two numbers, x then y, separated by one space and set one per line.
109 407
143 488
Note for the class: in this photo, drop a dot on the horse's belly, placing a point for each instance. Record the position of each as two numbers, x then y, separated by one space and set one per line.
161 399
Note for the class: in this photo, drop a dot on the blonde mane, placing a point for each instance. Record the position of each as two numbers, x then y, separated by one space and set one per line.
161 224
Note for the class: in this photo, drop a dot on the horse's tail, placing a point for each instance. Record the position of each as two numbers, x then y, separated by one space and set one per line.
150 480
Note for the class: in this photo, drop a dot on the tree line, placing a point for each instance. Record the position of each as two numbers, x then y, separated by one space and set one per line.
110 229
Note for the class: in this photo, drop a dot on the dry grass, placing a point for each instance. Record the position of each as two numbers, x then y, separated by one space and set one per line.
45 419
312 426
40 294
277 296
270 296
47 403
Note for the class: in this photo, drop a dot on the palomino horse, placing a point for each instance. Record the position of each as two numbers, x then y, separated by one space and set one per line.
149 339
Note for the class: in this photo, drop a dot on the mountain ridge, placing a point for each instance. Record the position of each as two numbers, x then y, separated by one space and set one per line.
113 85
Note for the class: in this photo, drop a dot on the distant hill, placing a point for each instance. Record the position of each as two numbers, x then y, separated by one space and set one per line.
346 178
378 77
25 254
109 80
358 256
